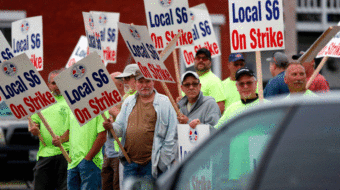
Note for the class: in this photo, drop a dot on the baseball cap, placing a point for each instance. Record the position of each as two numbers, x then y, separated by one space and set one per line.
138 75
235 57
205 51
297 56
189 73
244 71
279 59
128 71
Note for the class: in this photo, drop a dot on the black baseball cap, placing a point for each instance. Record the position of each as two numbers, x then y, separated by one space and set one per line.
244 71
297 56
205 51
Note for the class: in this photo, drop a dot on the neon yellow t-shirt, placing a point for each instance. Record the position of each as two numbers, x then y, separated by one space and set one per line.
307 93
58 117
212 86
231 93
82 139
235 109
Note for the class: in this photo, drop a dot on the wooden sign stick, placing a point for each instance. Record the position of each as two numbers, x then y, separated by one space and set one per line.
39 135
117 140
316 72
174 55
259 75
53 135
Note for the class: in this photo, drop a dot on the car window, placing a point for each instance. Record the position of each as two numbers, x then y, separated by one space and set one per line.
4 110
227 161
307 155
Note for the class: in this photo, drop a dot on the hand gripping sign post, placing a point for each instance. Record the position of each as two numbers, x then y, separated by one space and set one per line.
256 25
203 34
188 140
107 25
79 52
330 50
142 49
92 91
27 37
24 90
6 54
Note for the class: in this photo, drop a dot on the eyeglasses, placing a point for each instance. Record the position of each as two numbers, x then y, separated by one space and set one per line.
242 84
203 58
53 83
187 85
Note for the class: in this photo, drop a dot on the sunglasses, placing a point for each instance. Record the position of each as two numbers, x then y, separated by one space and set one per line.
242 84
203 58
187 85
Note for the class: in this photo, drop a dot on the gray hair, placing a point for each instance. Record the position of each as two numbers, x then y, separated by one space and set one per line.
54 72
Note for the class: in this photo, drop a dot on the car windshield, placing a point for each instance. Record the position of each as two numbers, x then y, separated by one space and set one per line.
4 111
227 161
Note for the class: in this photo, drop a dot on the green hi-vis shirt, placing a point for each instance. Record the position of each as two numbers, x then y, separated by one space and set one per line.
212 86
235 109
231 93
82 139
307 93
58 118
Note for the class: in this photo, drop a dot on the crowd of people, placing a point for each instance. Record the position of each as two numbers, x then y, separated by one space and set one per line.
146 121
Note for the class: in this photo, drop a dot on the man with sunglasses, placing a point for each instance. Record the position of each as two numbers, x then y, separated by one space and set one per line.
211 84
277 86
236 61
246 85
195 107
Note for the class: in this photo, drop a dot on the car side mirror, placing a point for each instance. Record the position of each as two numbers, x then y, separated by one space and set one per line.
140 183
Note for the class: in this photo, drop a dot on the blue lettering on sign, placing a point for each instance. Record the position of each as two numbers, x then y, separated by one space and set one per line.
32 78
195 34
35 38
80 92
94 42
163 19
16 87
182 15
112 35
248 14
184 153
205 28
141 50
7 54
273 10
20 45
100 77
81 53
102 35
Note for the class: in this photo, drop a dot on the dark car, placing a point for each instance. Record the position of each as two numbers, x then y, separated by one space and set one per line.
288 144
18 148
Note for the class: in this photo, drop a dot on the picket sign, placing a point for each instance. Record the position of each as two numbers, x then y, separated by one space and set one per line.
260 29
39 135
319 48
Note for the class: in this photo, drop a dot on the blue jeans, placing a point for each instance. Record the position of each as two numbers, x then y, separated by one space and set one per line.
86 176
137 170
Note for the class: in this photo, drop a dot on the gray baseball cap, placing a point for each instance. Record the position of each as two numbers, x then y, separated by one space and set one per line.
128 71
279 58
189 73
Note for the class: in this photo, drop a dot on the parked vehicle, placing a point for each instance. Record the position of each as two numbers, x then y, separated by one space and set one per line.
18 148
288 144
